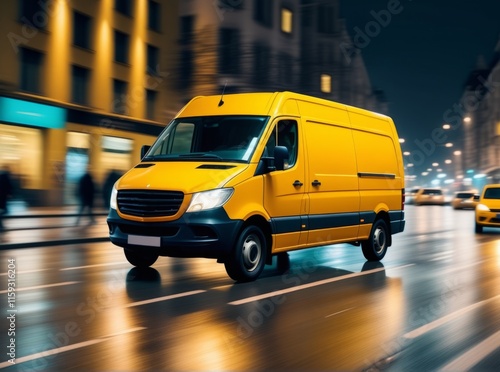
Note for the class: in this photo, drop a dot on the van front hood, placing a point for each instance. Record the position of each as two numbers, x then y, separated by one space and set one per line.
188 177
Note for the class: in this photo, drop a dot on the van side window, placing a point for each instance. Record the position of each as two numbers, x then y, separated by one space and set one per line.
284 134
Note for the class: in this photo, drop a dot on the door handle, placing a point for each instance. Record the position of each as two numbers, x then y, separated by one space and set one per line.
297 183
316 183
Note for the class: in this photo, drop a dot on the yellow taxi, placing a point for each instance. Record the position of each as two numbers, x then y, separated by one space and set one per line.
488 208
464 200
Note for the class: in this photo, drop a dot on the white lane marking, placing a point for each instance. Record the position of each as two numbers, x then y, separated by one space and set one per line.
304 286
96 265
25 272
400 267
42 286
339 312
460 268
474 355
164 298
51 352
439 322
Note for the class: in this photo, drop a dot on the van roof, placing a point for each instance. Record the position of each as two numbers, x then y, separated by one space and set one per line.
263 103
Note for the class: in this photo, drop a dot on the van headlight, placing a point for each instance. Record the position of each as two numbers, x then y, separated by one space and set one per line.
113 203
209 199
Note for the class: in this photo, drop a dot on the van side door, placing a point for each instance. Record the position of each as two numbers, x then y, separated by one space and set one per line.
332 183
284 189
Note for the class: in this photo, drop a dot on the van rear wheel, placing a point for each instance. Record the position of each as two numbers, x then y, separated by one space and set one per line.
248 256
375 248
140 260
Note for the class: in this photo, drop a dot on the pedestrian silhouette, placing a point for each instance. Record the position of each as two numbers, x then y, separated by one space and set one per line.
5 193
86 191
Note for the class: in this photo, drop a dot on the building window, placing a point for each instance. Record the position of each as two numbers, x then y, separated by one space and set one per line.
153 61
186 29
31 70
124 7
286 21
150 104
154 16
326 83
326 19
229 51
121 47
80 86
120 97
262 55
263 12
186 68
82 25
32 13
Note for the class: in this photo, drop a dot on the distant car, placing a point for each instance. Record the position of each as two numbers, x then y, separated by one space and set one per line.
429 196
464 200
410 196
488 208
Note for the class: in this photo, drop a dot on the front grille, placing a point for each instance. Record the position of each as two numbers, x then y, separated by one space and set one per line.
149 203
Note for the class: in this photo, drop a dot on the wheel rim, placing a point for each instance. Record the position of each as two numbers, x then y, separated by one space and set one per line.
379 240
251 252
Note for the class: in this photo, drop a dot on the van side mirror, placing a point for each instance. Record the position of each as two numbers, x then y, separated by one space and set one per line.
280 155
144 150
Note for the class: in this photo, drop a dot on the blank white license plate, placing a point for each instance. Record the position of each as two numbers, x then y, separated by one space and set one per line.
149 241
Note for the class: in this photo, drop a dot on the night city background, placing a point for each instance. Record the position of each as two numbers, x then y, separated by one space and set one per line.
84 84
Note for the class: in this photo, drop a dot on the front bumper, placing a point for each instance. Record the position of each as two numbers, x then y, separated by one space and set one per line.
209 234
488 218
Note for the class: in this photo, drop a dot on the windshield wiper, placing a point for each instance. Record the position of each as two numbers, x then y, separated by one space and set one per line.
199 155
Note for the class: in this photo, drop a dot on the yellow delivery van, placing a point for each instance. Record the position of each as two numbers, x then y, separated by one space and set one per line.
243 177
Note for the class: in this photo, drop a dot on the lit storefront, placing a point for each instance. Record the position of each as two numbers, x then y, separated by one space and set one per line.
48 148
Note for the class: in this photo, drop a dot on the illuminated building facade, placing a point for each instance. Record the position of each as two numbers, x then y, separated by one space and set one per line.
82 83
479 116
264 45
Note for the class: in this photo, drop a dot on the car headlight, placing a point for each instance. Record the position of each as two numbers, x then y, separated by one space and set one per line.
113 203
482 208
209 199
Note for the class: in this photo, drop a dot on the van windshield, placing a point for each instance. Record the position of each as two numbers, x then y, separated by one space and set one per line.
210 138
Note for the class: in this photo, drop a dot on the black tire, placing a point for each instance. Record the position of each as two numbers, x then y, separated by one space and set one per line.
140 260
248 256
478 229
375 247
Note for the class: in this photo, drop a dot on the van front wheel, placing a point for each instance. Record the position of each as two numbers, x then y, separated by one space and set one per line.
375 248
140 260
248 257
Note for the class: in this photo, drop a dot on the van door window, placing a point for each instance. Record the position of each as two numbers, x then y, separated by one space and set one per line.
284 134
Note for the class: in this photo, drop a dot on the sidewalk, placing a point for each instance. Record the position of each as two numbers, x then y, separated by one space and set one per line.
47 226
